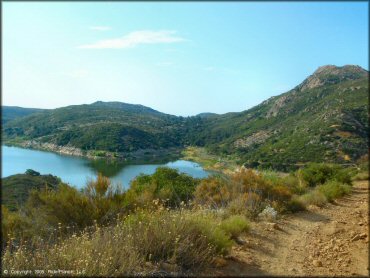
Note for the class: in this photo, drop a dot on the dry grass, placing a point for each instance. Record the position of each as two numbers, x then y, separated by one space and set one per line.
313 197
185 238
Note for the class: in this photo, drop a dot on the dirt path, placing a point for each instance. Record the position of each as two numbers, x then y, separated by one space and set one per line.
329 241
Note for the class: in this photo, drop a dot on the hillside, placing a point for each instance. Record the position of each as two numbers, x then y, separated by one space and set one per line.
106 126
326 114
15 189
12 112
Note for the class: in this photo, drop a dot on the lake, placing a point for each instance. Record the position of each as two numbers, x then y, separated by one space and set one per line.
77 170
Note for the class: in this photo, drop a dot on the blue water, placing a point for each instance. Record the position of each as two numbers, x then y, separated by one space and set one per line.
76 170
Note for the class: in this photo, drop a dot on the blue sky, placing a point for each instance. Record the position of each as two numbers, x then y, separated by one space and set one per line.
178 58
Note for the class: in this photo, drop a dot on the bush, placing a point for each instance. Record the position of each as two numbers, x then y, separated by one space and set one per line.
363 163
208 225
13 225
363 168
69 208
167 185
295 205
245 192
319 173
292 181
295 184
248 204
361 176
313 197
32 172
334 189
212 192
188 238
247 181
235 225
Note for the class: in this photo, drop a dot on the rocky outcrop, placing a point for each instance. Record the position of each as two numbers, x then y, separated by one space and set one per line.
330 74
278 104
256 138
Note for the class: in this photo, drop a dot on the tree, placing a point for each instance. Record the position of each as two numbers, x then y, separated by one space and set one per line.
32 172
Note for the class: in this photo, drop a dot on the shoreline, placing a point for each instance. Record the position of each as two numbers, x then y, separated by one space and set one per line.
142 154
208 162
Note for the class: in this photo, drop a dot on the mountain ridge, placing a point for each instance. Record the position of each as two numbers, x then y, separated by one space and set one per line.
274 132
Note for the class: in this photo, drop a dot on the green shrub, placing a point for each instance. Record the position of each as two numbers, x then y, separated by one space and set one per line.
16 188
209 226
272 176
334 189
360 176
248 204
293 182
67 207
235 225
363 163
313 197
319 173
167 185
246 192
13 225
290 181
188 238
32 172
295 205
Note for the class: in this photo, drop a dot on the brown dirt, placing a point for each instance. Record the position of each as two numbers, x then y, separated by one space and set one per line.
328 241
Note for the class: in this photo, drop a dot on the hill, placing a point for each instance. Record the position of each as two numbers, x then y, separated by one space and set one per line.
105 126
12 112
15 189
325 118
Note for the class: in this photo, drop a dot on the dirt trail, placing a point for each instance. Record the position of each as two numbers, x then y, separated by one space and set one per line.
329 241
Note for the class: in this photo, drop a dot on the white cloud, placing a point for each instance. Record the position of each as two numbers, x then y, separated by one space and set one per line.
100 28
136 38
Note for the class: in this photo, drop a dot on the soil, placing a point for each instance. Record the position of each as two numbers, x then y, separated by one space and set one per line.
328 241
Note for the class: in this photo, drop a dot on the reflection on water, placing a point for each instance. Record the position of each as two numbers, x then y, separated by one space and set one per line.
76 170
108 168
111 168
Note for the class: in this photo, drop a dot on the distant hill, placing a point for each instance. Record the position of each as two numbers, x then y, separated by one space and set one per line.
16 188
133 108
12 112
109 126
325 118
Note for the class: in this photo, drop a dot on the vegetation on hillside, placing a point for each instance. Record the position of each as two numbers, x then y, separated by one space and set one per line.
9 113
15 189
289 130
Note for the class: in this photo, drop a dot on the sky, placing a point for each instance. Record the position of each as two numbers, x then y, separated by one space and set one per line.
179 58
